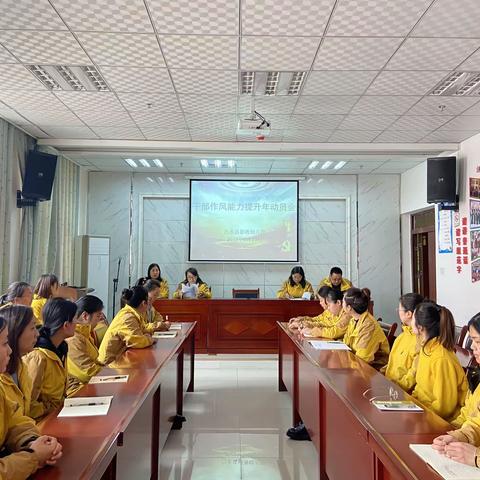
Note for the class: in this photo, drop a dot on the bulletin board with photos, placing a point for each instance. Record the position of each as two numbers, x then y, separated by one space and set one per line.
474 211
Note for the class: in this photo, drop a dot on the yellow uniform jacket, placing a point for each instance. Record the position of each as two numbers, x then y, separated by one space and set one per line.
441 383
125 331
344 286
402 364
151 319
49 381
82 358
333 326
295 291
366 339
16 431
37 305
468 421
20 395
202 288
164 289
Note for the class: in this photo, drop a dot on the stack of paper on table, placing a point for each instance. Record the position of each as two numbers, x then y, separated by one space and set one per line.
397 406
109 379
445 467
164 334
175 326
328 345
85 406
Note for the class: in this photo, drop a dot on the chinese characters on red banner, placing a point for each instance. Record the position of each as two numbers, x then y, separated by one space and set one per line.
461 244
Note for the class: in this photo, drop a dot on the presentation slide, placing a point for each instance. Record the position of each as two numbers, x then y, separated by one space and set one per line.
254 221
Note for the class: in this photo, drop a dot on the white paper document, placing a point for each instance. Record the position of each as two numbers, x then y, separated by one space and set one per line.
397 406
109 379
175 326
164 334
328 345
189 291
445 467
85 406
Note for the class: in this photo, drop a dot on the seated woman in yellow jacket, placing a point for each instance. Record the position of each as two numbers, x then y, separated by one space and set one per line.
336 280
296 286
441 384
334 325
47 363
296 323
153 320
193 286
18 293
46 287
22 337
154 273
82 357
364 335
402 363
127 328
25 450
462 444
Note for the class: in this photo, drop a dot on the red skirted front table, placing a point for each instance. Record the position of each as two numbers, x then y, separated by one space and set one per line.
236 325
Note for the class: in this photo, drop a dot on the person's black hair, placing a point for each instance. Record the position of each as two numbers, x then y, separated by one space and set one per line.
43 288
89 304
3 323
473 372
15 290
299 270
336 270
194 272
56 312
18 317
357 299
160 279
141 281
438 322
334 296
134 296
324 291
410 301
151 284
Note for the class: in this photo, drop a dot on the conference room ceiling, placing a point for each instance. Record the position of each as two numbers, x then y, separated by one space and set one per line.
172 71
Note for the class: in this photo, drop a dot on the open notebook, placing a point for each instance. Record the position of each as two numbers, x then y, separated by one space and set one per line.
328 345
445 467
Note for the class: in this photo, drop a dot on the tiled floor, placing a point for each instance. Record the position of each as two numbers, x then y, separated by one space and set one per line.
236 423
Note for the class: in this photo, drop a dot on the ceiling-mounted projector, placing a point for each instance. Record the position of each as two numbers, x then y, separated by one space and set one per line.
255 125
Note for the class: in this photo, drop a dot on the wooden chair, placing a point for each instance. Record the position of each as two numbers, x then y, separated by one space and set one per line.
389 330
460 334
465 357
238 293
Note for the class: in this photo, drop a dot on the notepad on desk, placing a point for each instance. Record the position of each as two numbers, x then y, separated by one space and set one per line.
175 326
397 406
328 345
445 467
109 379
164 334
85 406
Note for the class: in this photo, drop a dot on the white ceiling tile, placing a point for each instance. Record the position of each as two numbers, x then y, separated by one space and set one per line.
205 82
360 53
196 17
367 122
17 77
275 136
212 136
405 82
306 136
278 122
447 136
33 100
448 18
284 17
325 104
352 136
398 136
10 115
452 105
432 53
122 49
6 56
105 15
472 63
30 15
420 122
101 118
102 101
158 119
278 53
200 51
54 118
42 47
156 133
463 122
314 122
338 82
208 103
70 132
475 110
206 121
34 131
376 18
362 167
268 104
119 133
384 105
138 102
137 80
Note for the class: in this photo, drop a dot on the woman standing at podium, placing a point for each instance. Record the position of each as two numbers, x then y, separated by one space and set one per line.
193 286
296 286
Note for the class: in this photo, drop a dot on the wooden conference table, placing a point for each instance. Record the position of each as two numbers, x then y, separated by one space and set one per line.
236 325
126 443
331 393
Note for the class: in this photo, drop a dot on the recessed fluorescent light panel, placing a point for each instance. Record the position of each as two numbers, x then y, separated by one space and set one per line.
158 162
326 165
144 163
313 164
271 83
204 163
217 163
458 84
150 179
339 165
170 179
131 162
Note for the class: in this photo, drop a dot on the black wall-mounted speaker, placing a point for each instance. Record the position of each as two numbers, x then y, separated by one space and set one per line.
39 175
442 180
